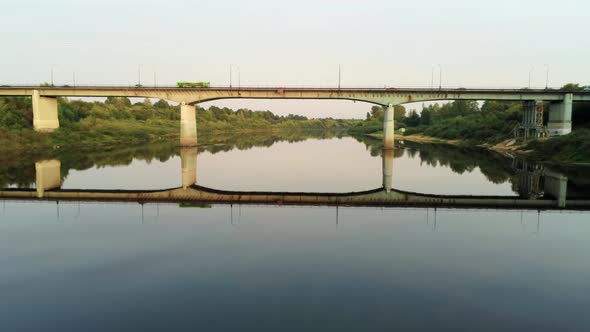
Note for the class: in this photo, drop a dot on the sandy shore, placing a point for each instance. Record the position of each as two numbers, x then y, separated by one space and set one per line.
508 147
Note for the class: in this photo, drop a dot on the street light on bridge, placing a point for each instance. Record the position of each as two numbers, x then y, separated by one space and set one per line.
139 75
432 78
546 76
52 66
439 77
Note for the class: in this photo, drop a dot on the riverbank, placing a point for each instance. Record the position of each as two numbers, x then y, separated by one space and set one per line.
117 122
572 149
419 138
90 136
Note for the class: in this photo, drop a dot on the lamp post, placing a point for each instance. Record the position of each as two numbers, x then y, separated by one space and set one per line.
546 76
432 78
339 73
439 77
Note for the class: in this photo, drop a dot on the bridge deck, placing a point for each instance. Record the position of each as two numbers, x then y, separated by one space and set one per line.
382 96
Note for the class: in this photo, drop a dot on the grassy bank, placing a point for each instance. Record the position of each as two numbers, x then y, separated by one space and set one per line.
572 148
489 125
116 121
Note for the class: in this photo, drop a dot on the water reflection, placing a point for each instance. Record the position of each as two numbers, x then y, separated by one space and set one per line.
191 264
48 178
527 179
188 159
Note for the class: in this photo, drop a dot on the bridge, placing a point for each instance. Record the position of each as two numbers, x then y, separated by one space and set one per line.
45 103
48 187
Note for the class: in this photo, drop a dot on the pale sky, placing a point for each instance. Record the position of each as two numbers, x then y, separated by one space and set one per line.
297 43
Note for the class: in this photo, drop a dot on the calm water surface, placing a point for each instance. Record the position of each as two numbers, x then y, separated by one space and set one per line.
160 267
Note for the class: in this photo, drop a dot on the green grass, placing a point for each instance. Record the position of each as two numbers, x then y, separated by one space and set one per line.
572 148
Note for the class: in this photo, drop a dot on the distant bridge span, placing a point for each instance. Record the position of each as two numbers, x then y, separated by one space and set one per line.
381 96
45 105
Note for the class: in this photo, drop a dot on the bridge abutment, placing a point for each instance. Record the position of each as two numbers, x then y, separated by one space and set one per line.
388 127
188 125
47 176
560 116
44 113
188 161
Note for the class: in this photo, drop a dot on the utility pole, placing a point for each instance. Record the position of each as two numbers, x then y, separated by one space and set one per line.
74 78
439 77
546 77
51 75
432 78
230 76
139 75
339 72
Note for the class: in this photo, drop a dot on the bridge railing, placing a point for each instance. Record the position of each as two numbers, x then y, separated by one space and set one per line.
294 87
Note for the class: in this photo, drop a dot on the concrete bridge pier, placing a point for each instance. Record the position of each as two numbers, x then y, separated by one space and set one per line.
44 113
388 127
556 187
47 176
188 160
387 169
560 116
188 125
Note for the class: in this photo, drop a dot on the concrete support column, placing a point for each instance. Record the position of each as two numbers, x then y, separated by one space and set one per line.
556 187
388 128
387 169
44 113
560 116
47 176
188 160
528 115
188 125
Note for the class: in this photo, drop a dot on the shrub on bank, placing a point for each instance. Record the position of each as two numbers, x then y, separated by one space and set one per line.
572 148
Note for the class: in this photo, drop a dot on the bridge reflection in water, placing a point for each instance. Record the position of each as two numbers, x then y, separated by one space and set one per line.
531 196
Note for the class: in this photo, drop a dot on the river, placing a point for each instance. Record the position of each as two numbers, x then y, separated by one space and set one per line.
70 265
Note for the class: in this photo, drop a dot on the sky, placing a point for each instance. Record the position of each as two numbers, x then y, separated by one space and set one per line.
376 43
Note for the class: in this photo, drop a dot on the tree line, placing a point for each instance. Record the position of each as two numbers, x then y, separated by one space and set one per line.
490 121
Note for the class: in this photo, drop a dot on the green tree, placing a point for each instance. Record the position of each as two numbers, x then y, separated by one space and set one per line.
413 119
572 87
161 104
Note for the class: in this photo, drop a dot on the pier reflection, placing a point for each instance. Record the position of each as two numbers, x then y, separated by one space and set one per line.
536 181
47 176
188 160
387 157
537 186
